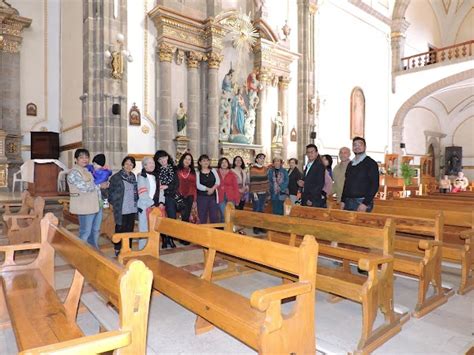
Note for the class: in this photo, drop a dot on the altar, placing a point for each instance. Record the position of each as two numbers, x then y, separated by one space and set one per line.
42 176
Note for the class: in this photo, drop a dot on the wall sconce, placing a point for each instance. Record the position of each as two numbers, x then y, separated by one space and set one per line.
117 57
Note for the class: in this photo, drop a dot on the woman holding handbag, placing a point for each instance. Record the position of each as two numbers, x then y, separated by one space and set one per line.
207 182
167 194
278 178
146 192
187 186
238 167
228 190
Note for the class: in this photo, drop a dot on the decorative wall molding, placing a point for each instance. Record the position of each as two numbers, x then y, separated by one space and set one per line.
70 146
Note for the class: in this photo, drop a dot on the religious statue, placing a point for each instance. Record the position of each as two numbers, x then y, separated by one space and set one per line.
460 183
253 87
239 110
181 120
227 82
260 7
278 121
117 65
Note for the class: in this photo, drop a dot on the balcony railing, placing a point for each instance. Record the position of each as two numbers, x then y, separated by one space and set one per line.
439 55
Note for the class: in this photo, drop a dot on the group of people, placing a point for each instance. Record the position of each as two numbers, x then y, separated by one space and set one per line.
200 195
460 183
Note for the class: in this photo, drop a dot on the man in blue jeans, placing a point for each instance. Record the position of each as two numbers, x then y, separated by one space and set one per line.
362 180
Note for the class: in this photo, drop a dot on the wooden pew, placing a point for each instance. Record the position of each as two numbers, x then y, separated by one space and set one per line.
107 227
413 235
458 233
24 225
44 325
374 254
257 322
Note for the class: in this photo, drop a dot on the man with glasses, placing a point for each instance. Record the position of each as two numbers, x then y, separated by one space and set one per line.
362 180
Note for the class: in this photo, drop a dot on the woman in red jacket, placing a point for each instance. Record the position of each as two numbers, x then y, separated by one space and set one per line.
228 190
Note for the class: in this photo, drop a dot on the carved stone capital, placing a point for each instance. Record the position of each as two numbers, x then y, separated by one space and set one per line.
313 7
265 76
214 60
165 52
284 82
193 59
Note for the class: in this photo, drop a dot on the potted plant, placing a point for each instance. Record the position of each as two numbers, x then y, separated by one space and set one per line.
407 172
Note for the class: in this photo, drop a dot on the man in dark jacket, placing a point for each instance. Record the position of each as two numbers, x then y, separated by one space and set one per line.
362 180
313 179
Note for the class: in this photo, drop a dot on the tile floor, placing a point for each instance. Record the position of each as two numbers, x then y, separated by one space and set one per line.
447 330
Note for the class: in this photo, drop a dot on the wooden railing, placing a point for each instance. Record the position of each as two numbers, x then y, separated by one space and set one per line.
456 51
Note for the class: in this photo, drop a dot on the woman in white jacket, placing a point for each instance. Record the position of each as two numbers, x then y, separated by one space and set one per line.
146 195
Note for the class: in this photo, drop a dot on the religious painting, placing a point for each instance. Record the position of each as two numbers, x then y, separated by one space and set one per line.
357 112
134 116
293 135
31 109
453 160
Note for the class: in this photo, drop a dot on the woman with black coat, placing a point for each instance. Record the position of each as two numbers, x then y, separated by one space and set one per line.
167 178
294 175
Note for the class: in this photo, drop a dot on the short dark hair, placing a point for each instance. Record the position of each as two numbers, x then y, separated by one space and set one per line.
359 139
221 160
160 154
312 146
181 162
131 159
294 159
241 159
201 158
259 155
81 151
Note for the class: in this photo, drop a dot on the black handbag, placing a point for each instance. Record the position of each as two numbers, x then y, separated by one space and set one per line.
179 200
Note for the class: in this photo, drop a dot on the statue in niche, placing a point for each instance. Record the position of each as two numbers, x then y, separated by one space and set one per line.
357 113
227 83
278 121
237 109
181 120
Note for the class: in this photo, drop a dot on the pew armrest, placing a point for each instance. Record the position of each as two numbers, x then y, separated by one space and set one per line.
262 299
213 225
117 237
429 244
10 250
369 262
94 344
6 217
467 234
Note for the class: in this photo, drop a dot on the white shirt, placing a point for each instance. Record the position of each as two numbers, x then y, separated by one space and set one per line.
152 182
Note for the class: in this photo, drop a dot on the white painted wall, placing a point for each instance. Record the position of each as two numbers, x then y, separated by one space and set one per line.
417 121
463 136
345 59
466 30
71 71
423 29
141 75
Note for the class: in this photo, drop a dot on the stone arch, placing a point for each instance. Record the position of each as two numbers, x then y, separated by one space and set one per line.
398 122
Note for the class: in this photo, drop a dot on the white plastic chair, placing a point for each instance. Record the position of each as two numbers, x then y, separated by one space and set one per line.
17 178
62 180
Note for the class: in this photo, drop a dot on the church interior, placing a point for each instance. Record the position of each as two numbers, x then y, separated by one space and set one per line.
149 92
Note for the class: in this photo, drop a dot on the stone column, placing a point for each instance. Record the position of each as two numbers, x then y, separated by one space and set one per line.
305 118
11 36
165 129
398 35
102 131
213 62
283 108
193 129
264 122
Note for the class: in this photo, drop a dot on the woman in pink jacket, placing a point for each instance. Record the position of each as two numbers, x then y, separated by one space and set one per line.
228 190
